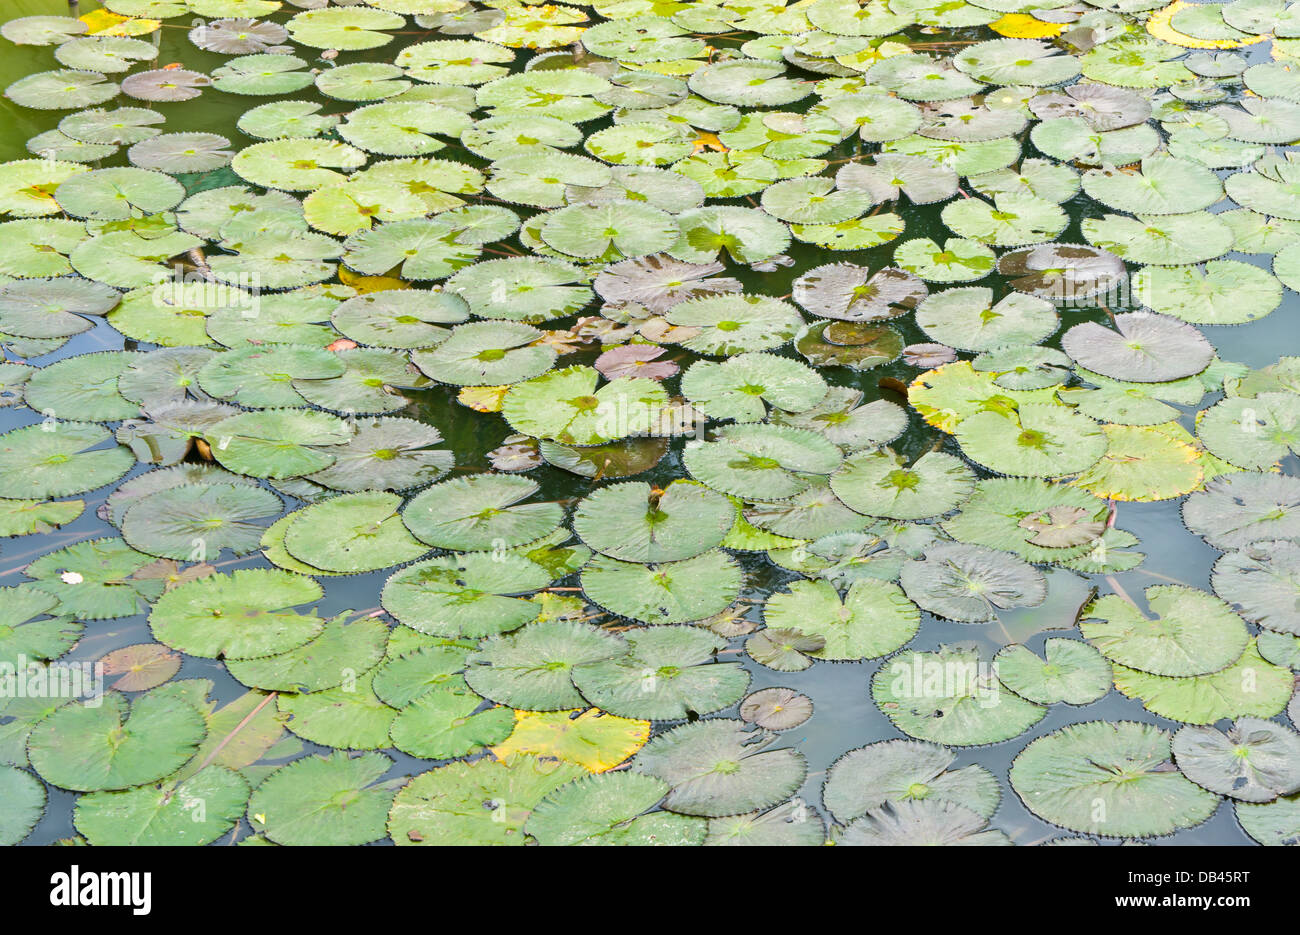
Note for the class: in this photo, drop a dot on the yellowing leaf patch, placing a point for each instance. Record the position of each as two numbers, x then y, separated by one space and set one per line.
592 739
106 23
1158 24
1023 26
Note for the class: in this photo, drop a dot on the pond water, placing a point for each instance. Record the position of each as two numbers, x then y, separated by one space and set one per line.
845 718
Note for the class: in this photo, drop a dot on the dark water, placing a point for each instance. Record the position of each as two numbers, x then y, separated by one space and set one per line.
845 716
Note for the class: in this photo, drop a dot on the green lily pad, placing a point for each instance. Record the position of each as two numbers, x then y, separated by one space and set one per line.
24 798
1262 580
881 483
116 744
1073 672
446 804
1112 780
565 406
318 800
1256 761
970 583
664 592
1249 687
669 673
193 812
606 809
473 594
716 768
874 619
739 387
1188 632
321 663
239 616
480 512
532 668
1164 186
899 771
636 523
949 697
353 533
1223 292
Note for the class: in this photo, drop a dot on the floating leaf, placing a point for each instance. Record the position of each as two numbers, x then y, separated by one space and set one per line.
1113 780
666 592
593 739
480 512
466 595
116 744
688 758
1036 441
239 616
507 668
1073 672
880 483
738 387
165 814
913 823
852 293
1256 761
1239 509
24 796
874 619
776 708
1188 632
446 804
318 800
902 771
968 318
971 583
1262 580
323 662
947 697
1248 687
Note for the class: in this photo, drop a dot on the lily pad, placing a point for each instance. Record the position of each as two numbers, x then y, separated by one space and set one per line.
1112 780
947 697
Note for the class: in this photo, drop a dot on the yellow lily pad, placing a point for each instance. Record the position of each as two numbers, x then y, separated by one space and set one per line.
1024 26
106 23
482 398
367 284
1159 25
1143 463
592 739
